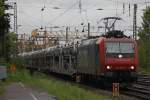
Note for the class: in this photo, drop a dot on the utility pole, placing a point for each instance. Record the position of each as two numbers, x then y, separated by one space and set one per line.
15 18
80 6
14 7
135 22
67 29
88 30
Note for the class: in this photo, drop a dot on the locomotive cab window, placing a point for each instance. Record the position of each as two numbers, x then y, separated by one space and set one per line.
115 48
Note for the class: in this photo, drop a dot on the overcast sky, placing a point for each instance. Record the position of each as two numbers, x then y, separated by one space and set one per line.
30 15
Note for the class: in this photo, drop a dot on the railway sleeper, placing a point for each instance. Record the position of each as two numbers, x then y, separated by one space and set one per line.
146 92
138 95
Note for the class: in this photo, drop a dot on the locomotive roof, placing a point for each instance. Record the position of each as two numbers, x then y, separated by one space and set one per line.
97 40
120 39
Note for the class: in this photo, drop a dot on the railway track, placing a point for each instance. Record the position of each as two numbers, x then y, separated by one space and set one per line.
141 89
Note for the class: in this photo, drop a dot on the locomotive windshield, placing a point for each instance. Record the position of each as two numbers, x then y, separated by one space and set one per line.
119 48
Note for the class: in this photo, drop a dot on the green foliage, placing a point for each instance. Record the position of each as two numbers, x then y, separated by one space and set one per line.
11 44
144 42
18 62
1 8
3 86
4 29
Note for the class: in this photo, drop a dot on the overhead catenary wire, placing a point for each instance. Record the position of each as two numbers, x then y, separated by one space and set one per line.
67 10
122 14
139 8
61 14
30 16
131 2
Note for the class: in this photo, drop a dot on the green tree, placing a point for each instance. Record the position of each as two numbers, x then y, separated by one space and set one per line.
4 29
11 44
144 41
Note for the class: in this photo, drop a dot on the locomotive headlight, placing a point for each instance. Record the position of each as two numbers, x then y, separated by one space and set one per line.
132 67
108 67
120 56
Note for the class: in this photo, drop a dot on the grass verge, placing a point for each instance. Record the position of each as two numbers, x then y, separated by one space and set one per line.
145 71
3 85
63 90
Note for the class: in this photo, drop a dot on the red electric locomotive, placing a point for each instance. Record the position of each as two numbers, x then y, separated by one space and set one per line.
112 57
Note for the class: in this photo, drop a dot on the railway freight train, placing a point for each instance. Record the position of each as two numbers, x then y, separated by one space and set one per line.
112 57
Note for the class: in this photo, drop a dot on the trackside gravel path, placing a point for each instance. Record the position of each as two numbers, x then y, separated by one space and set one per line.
18 91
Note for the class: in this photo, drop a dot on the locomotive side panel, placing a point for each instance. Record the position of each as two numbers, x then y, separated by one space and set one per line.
89 58
83 60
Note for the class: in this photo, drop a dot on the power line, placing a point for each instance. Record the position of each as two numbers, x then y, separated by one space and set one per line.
26 14
121 2
60 15
128 11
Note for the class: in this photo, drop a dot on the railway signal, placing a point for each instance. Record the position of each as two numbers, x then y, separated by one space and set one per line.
115 89
13 68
